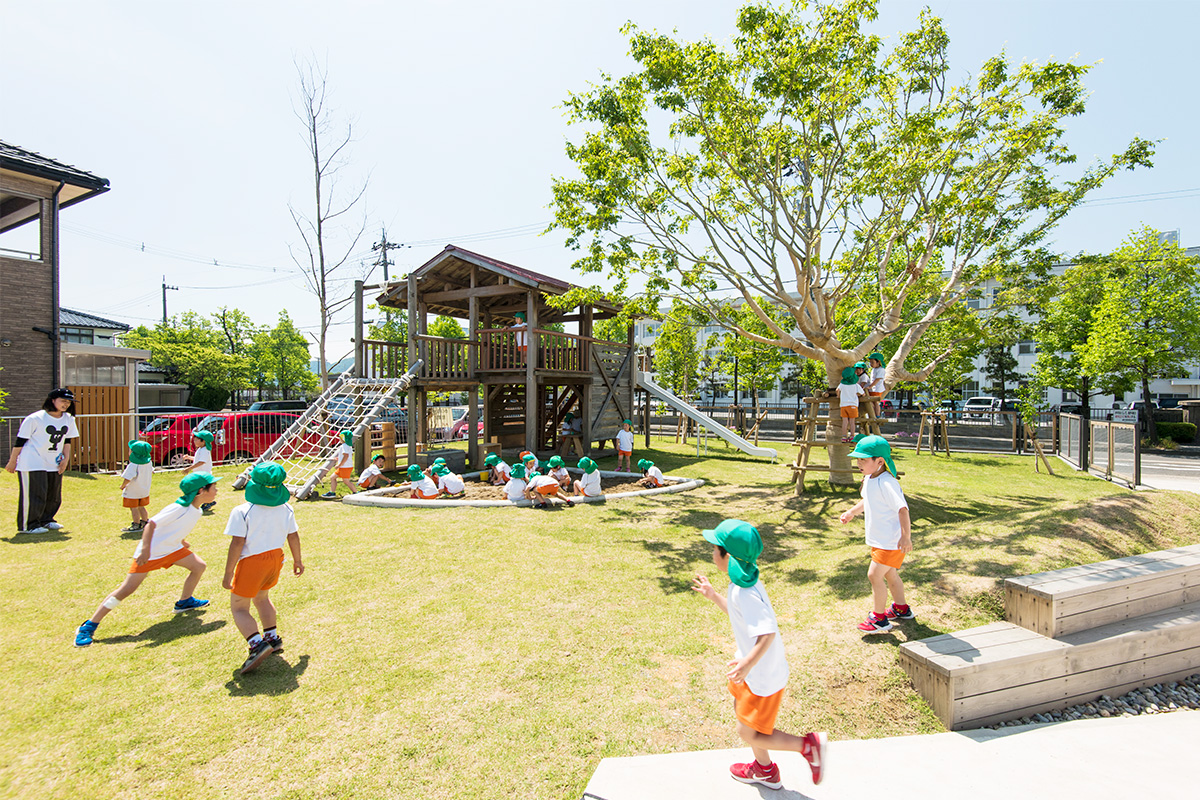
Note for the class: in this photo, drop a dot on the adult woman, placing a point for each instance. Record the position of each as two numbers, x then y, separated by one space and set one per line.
41 455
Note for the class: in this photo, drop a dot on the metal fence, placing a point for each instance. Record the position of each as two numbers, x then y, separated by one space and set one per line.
1072 440
1116 451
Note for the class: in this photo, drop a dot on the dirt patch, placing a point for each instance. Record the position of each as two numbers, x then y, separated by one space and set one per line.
476 490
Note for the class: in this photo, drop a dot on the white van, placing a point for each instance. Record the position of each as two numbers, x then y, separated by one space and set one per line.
981 408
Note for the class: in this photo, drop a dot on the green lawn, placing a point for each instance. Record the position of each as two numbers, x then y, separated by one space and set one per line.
503 652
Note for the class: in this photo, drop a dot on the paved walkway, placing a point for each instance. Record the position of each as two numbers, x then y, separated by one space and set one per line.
1098 759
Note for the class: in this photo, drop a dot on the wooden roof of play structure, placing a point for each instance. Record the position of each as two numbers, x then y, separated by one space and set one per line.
446 288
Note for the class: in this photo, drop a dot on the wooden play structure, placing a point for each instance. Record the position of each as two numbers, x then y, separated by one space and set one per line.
1069 636
523 376
806 436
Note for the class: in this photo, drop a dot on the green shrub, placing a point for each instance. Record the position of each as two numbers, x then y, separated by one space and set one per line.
1179 431
211 397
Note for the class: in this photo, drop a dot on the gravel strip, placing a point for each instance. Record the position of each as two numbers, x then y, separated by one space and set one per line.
1161 698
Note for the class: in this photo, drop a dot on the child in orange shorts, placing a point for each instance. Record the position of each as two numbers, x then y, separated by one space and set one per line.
889 533
343 467
541 488
758 674
625 446
258 529
878 386
849 391
135 485
163 546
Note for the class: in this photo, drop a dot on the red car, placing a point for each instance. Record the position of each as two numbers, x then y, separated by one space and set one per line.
170 438
239 436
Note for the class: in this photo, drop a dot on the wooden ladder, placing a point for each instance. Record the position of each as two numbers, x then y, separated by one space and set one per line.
806 437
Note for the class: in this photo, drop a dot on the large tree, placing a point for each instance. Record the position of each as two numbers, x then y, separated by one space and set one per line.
812 166
281 356
754 361
676 352
192 351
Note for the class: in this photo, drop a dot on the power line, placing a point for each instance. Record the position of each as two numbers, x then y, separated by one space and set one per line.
165 252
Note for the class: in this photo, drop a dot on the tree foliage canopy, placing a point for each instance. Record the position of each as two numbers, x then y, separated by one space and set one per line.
809 166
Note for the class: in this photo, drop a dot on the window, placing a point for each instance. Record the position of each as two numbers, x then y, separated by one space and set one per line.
77 335
1026 348
86 370
23 240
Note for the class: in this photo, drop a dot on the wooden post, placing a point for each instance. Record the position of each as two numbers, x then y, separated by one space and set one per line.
412 359
531 357
945 433
921 433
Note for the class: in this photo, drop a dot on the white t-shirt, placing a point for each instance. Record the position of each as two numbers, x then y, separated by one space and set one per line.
877 375
751 616
368 473
514 489
656 474
171 527
138 476
848 394
541 480
522 336
502 469
345 455
265 528
625 441
46 436
453 483
590 483
202 460
532 465
426 487
882 501
559 473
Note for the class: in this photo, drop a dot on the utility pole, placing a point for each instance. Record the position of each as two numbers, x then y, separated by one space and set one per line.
164 290
382 247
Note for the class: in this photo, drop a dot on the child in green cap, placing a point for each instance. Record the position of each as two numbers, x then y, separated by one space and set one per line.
758 673
343 465
558 471
588 484
849 392
652 476
521 334
514 490
373 475
163 545
499 469
202 459
625 446
889 532
423 487
258 530
877 388
449 483
135 485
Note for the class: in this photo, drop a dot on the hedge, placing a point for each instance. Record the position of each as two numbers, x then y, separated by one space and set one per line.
1178 431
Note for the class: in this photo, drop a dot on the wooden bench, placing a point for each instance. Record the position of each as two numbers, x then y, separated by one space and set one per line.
1116 625
1075 599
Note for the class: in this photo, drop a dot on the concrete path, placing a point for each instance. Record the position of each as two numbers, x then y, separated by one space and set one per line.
1146 756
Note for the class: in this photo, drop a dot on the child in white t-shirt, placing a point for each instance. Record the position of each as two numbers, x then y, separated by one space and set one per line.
135 485
499 467
531 463
849 391
343 465
163 545
889 533
652 476
541 488
373 474
258 530
450 483
514 490
625 447
758 674
877 388
202 460
422 486
558 471
588 484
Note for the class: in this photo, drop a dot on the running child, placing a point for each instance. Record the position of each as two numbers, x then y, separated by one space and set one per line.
258 529
343 467
450 483
202 445
558 471
541 488
514 490
588 484
373 475
758 673
848 393
652 476
163 546
499 467
889 533
135 485
625 447
423 486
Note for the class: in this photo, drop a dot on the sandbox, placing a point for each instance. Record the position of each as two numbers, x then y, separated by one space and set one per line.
615 485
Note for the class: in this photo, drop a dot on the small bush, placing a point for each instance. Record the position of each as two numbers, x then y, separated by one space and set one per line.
1164 443
1178 431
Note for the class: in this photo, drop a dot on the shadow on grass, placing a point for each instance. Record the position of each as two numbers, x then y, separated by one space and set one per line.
913 630
168 631
275 677
679 563
37 538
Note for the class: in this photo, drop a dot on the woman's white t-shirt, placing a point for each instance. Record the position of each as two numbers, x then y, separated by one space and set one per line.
46 436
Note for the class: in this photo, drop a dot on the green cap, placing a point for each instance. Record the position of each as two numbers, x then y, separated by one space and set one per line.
491 460
849 377
441 469
570 415
645 464
266 485
414 472
518 472
439 460
519 315
347 437
528 457
377 455
875 447
587 465
191 485
205 437
628 422
858 437
744 545
139 452
876 356
861 365
556 461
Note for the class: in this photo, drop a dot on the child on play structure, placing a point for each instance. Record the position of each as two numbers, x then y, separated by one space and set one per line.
449 483
888 532
588 484
514 490
541 488
848 393
758 673
373 475
499 468
625 446
343 466
135 485
877 389
258 529
558 471
652 476
163 546
423 486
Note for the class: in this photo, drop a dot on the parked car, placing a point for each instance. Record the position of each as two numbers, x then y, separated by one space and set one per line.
148 414
980 408
460 429
1069 408
341 410
951 409
170 438
245 435
278 405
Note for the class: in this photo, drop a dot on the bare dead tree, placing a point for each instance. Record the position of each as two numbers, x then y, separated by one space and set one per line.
326 143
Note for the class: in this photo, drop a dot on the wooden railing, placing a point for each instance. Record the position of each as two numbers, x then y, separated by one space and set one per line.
500 350
384 359
445 358
497 351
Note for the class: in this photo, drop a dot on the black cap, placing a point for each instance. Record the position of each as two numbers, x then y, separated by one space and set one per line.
66 394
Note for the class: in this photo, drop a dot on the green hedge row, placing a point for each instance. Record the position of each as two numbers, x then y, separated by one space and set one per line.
1178 431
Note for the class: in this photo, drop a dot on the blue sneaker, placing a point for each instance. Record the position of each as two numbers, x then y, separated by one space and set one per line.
83 636
191 604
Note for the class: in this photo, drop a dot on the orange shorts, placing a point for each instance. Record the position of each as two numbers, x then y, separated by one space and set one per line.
889 558
135 502
422 496
257 573
345 473
159 563
850 412
624 452
550 488
877 394
756 712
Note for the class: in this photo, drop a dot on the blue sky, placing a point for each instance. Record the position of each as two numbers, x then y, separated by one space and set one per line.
187 110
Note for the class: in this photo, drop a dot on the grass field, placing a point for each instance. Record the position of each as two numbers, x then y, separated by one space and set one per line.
502 652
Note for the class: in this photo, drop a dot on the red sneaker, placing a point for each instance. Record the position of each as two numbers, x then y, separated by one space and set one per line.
875 623
816 748
755 772
896 612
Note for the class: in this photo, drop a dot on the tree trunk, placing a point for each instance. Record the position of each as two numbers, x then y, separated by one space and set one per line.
1151 425
839 454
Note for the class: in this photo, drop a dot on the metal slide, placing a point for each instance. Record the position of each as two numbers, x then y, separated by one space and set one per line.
716 428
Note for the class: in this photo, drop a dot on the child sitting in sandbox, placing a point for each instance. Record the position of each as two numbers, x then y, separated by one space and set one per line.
423 487
652 476
588 484
449 483
514 490
499 467
541 488
558 471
